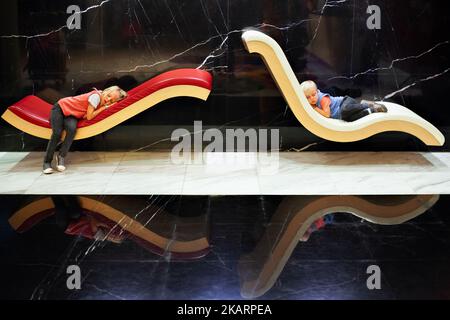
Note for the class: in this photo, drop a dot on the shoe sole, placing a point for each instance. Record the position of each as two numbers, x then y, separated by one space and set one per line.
378 108
374 106
48 171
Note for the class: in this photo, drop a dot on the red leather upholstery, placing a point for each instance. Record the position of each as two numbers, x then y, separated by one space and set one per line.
34 110
37 111
192 77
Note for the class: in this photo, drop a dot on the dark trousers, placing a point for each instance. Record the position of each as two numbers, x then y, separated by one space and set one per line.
352 110
67 209
59 122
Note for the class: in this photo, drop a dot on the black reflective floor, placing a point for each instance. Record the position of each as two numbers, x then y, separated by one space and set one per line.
233 247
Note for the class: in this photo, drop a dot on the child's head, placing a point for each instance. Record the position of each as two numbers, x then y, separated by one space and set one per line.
310 90
113 94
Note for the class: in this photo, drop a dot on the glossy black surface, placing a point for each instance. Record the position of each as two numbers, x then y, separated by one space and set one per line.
126 42
330 263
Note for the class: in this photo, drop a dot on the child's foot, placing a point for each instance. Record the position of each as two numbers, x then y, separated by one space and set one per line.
47 168
377 107
60 163
374 106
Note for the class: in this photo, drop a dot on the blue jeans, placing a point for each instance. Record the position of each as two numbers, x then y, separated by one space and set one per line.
352 110
59 122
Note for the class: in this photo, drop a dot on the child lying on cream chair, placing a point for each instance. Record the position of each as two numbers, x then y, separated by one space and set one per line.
344 108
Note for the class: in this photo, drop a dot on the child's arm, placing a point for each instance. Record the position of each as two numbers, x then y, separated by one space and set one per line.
91 112
94 107
325 107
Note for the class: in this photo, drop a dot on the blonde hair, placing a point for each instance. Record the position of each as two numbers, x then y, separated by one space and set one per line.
307 85
122 93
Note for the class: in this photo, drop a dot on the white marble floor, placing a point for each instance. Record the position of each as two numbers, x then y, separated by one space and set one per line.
286 173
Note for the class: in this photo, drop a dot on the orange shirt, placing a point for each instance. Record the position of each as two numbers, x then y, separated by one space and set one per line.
77 105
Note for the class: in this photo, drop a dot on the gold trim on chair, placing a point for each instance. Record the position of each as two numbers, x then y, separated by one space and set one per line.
122 220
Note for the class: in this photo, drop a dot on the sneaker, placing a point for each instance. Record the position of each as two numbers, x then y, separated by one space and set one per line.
374 106
60 163
47 169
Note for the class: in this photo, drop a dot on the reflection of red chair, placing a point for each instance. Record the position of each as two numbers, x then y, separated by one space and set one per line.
191 241
31 114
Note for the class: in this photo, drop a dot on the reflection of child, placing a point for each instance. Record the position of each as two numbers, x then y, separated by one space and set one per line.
317 225
344 108
91 228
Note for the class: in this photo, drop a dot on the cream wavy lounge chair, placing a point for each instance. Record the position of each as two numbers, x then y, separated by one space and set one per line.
261 268
32 114
158 236
398 118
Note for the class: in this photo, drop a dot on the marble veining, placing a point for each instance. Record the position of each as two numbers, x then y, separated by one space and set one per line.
302 247
243 173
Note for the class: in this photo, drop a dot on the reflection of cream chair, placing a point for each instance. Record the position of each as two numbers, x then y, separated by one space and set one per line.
153 228
398 118
260 269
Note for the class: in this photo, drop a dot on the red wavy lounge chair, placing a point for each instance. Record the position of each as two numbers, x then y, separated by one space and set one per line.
31 114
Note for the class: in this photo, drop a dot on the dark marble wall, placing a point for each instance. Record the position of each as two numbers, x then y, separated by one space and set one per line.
126 42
